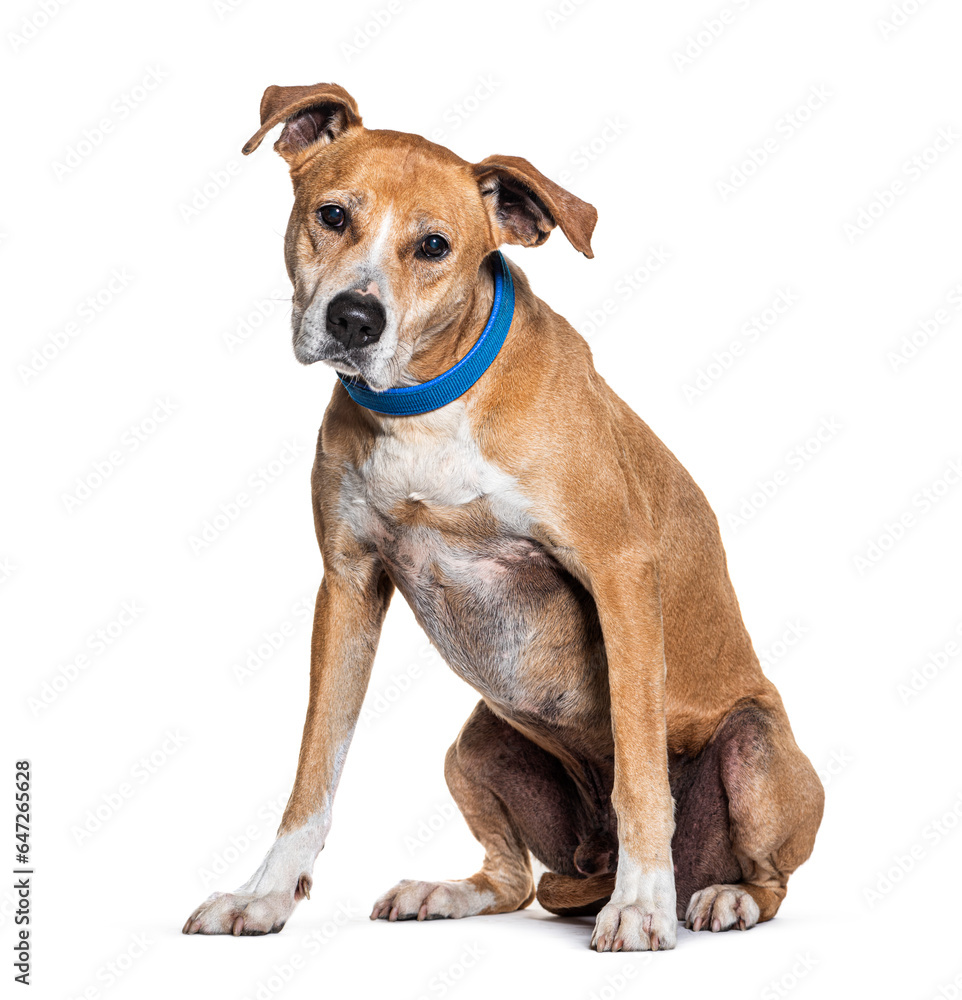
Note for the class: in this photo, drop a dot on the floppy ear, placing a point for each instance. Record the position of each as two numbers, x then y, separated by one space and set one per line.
317 114
525 206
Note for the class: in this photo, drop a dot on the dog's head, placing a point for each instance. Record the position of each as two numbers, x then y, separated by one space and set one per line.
389 230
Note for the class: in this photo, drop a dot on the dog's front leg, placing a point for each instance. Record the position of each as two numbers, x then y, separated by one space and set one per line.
347 622
641 914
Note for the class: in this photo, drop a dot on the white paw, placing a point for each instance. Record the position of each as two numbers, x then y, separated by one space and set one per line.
410 900
241 913
634 928
720 907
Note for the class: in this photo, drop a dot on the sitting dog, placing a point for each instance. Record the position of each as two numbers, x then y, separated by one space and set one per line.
553 549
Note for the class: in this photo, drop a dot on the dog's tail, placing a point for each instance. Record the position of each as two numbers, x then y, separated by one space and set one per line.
569 896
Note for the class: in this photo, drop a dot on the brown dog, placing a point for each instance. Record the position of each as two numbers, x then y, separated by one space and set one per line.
553 549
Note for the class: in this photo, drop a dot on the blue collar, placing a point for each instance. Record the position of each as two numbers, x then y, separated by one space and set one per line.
409 400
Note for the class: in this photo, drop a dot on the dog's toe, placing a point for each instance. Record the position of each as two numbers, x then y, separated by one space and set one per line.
412 900
721 907
633 928
240 914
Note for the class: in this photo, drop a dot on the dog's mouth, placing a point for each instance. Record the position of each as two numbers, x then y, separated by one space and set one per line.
310 349
343 366
341 363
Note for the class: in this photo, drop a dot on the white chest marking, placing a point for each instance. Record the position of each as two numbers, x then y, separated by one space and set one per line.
432 459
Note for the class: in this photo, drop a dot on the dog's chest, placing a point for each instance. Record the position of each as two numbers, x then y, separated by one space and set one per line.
431 460
454 533
433 506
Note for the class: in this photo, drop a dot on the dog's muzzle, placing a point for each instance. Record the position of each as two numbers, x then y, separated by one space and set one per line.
355 320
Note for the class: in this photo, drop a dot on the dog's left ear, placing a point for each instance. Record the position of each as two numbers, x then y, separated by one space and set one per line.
525 206
320 113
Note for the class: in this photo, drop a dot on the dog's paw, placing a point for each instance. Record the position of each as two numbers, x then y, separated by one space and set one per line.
720 907
411 900
241 913
634 928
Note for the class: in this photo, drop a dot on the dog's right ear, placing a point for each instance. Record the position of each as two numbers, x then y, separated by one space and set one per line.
313 115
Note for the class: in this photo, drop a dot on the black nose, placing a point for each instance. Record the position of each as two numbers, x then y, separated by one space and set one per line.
355 320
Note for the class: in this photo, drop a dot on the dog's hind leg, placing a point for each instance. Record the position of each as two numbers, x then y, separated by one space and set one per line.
515 797
745 821
747 807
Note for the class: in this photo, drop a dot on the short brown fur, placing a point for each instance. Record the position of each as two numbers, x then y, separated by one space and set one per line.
680 722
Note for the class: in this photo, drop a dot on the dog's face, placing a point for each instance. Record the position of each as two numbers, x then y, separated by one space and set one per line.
383 246
388 231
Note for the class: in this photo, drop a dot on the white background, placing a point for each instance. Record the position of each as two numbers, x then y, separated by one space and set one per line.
596 95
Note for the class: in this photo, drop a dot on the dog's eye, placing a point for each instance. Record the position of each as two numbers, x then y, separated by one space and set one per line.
434 246
332 216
